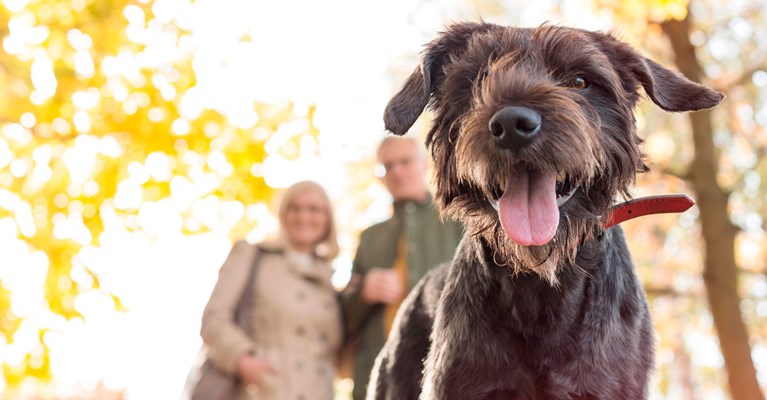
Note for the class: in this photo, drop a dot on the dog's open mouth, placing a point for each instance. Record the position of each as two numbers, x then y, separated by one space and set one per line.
528 204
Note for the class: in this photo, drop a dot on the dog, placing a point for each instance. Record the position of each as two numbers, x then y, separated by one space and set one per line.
533 139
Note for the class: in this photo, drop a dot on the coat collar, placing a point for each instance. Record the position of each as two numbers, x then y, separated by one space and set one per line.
412 205
308 266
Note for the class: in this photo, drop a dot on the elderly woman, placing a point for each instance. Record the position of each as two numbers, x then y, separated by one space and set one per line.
295 316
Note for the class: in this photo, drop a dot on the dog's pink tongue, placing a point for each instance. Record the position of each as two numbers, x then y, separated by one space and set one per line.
528 208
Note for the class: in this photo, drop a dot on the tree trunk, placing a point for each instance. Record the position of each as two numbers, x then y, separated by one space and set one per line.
720 270
683 367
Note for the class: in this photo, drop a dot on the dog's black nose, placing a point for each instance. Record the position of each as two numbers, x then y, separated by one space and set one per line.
515 127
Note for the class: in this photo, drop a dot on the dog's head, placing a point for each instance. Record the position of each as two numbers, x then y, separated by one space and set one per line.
534 135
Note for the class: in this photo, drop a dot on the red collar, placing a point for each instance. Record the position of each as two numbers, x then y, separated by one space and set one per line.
662 204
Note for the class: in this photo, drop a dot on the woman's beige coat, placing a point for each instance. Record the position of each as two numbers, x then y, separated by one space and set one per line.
296 320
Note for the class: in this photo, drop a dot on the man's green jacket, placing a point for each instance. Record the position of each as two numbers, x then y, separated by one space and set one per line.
429 243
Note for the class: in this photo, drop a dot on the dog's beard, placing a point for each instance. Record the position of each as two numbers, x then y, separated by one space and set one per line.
555 230
544 260
477 185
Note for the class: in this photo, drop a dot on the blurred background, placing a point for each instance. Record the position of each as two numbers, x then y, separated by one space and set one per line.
138 138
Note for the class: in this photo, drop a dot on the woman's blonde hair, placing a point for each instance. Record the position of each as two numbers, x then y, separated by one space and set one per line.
328 246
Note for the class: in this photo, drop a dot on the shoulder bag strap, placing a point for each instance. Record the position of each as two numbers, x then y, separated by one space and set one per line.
244 310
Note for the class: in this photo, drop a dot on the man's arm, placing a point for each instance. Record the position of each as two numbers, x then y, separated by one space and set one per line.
368 287
354 309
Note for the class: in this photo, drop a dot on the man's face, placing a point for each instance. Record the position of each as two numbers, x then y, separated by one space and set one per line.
405 170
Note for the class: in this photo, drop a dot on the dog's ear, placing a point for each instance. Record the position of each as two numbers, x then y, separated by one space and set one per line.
408 104
405 107
671 91
668 89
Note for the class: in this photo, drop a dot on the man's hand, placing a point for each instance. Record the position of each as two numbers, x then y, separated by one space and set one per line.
251 369
381 285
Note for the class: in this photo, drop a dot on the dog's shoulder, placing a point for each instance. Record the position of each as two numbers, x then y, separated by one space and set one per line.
437 275
429 288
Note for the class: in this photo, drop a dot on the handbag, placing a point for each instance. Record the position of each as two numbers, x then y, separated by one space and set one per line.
213 383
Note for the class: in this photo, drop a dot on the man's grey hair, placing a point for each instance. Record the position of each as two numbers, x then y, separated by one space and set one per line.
401 139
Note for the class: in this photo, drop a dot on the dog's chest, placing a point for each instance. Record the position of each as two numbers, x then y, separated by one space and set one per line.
535 340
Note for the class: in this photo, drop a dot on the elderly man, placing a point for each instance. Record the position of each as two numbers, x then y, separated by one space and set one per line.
393 255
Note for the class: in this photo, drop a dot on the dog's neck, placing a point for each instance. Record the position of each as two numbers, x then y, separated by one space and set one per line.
505 288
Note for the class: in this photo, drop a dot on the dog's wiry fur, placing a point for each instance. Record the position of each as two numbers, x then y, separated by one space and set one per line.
562 320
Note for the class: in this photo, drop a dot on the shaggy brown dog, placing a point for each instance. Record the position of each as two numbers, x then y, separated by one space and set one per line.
533 139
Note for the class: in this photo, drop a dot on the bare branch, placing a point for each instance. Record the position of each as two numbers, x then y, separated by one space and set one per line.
743 78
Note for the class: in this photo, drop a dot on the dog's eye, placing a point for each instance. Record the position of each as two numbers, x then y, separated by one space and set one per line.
579 83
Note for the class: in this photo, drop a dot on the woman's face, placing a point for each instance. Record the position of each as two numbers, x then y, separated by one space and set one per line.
306 220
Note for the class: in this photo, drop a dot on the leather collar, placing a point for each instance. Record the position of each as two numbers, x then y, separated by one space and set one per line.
661 204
